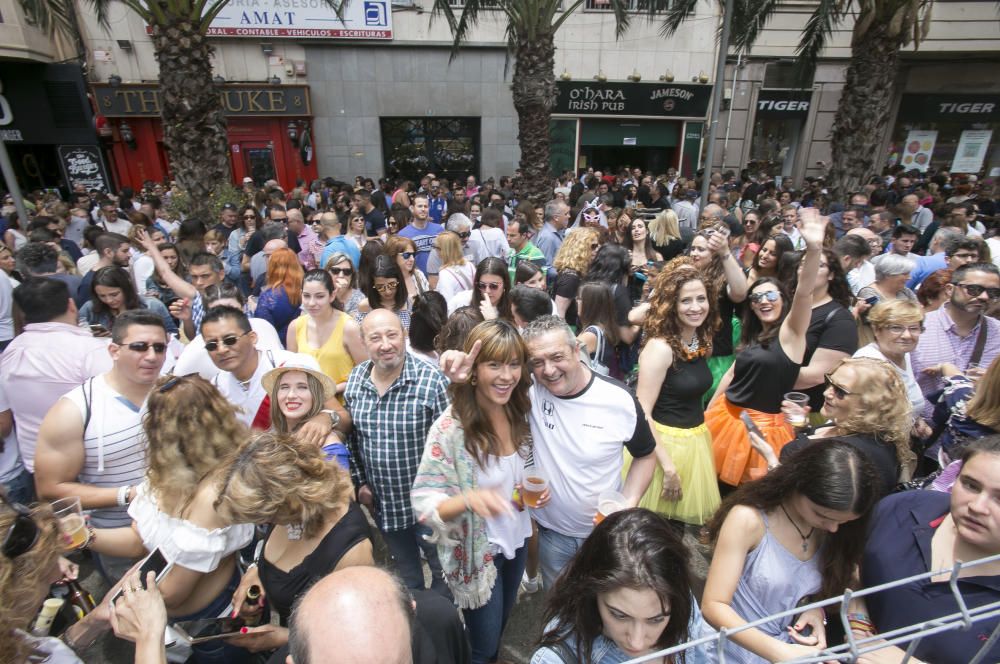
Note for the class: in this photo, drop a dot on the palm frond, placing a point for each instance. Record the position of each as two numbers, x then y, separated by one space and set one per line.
749 19
817 31
52 16
674 12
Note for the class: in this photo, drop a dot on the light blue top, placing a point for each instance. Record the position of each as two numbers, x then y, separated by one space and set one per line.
604 650
773 581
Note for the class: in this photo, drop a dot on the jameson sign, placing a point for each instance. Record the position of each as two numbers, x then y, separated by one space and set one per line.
83 164
672 100
125 101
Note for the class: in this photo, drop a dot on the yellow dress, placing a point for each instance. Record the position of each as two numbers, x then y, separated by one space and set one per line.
332 356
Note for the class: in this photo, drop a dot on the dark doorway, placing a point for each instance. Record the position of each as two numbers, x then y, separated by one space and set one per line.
655 160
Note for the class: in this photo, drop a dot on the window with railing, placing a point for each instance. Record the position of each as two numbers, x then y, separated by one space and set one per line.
605 5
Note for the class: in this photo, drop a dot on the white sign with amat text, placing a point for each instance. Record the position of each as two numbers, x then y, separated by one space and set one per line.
303 19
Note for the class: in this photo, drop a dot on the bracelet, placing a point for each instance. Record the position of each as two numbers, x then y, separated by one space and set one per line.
123 495
91 537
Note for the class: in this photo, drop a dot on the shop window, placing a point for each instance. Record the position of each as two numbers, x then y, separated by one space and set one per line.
775 141
447 147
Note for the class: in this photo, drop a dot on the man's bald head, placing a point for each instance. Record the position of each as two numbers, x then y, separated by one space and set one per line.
272 246
364 611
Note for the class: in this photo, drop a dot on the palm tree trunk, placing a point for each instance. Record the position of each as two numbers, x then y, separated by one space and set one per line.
534 94
863 112
194 127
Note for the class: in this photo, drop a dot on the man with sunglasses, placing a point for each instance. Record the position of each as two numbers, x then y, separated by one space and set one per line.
91 443
232 345
960 332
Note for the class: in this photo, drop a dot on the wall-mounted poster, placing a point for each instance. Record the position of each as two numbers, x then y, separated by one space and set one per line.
971 151
917 149
83 164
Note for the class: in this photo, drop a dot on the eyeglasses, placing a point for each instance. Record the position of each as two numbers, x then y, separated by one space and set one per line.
391 286
407 255
975 290
346 271
143 347
838 391
249 216
22 534
489 285
897 330
465 234
770 296
228 341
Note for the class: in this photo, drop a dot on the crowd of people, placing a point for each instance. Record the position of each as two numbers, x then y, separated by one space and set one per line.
508 399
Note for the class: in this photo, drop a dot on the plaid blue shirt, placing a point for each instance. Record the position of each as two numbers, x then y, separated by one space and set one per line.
390 432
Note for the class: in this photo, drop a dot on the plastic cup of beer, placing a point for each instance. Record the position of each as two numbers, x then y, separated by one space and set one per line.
69 515
796 414
535 482
609 502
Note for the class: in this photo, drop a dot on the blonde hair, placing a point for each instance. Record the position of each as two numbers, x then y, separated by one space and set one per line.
276 478
575 252
664 228
895 312
884 410
190 427
21 578
984 406
449 247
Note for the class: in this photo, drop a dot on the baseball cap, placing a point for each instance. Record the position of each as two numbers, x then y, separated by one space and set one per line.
248 180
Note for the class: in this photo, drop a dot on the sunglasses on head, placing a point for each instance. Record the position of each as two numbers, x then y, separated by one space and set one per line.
382 288
770 296
143 347
22 534
346 271
489 285
172 383
838 391
229 341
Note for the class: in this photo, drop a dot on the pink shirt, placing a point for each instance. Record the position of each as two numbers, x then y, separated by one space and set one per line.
40 365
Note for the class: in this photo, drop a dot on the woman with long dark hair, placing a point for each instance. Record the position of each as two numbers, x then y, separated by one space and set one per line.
477 456
112 291
832 334
765 263
640 247
387 291
490 289
796 534
611 266
596 310
625 594
773 345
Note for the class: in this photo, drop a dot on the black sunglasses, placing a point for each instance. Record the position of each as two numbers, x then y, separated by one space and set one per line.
838 391
407 255
346 271
22 534
143 347
465 234
228 341
975 290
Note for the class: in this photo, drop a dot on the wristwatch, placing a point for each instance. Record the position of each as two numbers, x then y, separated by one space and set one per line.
334 417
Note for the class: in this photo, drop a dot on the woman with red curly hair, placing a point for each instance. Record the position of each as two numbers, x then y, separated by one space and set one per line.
282 296
673 375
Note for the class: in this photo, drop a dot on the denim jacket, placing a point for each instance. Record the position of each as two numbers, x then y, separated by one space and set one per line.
604 650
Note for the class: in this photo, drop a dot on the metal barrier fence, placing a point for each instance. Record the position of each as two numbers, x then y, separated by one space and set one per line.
854 648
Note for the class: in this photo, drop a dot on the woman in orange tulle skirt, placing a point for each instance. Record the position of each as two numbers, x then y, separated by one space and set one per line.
773 346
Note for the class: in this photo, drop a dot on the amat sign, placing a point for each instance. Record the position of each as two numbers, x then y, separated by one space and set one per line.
303 19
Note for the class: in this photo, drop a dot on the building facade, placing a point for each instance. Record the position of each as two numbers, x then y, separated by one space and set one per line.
391 100
947 106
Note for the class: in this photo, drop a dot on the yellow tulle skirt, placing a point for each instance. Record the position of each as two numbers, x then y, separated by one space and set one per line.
691 451
735 460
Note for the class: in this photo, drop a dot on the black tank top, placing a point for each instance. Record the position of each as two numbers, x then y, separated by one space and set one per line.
679 402
761 377
283 588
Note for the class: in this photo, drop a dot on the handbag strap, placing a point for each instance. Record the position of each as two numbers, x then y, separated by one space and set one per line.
977 350
599 351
